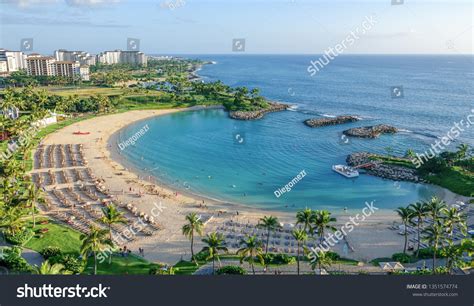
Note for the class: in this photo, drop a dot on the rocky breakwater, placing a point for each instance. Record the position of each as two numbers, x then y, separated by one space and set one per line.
318 122
258 114
370 131
376 167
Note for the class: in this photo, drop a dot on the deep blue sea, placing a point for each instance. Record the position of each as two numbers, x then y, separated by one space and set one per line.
198 152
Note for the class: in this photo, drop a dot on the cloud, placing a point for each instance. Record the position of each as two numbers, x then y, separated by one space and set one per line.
77 3
409 33
34 20
90 2
28 3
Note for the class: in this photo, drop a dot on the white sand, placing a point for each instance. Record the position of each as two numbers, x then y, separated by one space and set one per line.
370 239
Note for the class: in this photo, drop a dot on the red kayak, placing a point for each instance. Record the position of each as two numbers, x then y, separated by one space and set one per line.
81 133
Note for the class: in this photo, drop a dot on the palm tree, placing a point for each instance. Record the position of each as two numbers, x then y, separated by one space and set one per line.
410 153
405 213
11 218
306 217
50 269
42 97
300 236
271 224
419 210
435 207
194 225
454 219
321 260
433 234
214 243
462 150
322 222
252 248
34 196
94 242
454 253
111 215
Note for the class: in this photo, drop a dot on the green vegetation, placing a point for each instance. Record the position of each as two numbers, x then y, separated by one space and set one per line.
231 270
194 225
51 234
130 264
119 88
439 234
451 170
12 260
184 267
455 179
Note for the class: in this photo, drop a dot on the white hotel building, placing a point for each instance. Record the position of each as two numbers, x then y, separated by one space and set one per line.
11 61
122 57
84 58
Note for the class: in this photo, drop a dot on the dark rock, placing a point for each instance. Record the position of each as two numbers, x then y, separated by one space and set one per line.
253 115
318 122
377 168
370 131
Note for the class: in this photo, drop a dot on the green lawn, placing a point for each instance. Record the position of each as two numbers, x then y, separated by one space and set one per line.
83 91
58 235
68 240
184 267
394 161
131 264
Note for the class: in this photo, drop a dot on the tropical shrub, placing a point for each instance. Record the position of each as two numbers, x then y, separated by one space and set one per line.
20 237
278 259
13 261
158 270
333 255
401 257
201 256
50 251
231 270
70 262
427 253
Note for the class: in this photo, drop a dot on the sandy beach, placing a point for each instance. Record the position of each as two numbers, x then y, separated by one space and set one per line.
370 239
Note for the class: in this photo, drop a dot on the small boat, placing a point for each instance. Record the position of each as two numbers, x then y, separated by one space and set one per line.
81 133
346 171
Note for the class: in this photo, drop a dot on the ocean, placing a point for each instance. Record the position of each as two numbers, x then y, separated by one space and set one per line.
206 153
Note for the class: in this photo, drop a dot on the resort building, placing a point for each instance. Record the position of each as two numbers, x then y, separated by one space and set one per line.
82 57
122 57
3 67
84 73
37 65
15 60
67 69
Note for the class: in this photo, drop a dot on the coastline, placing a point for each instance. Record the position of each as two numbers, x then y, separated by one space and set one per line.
169 244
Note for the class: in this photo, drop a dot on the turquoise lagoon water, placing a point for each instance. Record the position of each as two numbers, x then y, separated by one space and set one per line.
197 151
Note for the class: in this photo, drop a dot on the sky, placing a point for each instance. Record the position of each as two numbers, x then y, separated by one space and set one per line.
268 26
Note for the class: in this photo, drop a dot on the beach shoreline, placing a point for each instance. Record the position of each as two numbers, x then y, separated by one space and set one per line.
129 186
